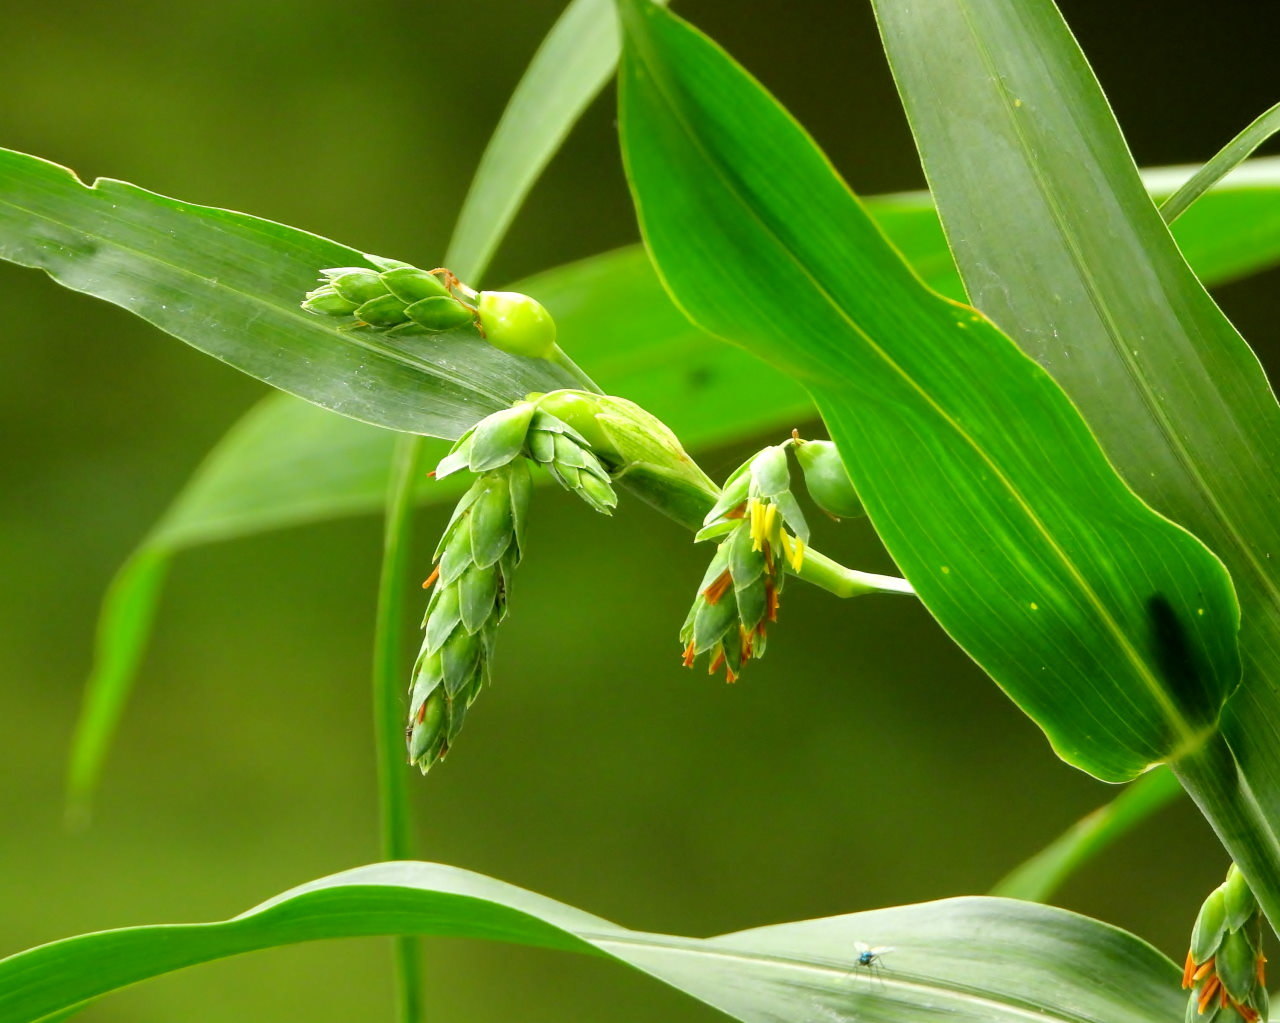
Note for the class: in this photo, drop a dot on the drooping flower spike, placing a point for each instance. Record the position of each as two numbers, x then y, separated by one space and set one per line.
477 557
1225 968
475 562
762 534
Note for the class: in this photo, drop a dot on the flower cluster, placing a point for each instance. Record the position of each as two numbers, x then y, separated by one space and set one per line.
1226 970
478 555
399 299
764 534
475 561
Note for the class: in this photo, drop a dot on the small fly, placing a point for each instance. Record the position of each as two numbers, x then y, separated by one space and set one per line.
868 958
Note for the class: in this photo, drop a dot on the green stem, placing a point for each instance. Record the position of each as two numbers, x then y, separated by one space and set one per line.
1213 778
388 705
833 577
687 504
561 358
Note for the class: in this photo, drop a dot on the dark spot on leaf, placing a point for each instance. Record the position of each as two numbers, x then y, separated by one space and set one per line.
1181 665
700 378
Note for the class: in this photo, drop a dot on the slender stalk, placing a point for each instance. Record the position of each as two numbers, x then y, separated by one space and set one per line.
388 707
1213 779
830 575
561 358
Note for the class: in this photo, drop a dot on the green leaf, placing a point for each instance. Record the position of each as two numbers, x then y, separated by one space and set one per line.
1223 163
968 960
1231 231
572 65
229 284
1111 627
1041 875
1109 305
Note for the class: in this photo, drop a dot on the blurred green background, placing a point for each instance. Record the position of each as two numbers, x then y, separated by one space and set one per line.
864 763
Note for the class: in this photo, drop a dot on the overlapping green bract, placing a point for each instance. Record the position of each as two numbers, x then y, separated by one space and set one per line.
398 298
526 429
1225 967
475 561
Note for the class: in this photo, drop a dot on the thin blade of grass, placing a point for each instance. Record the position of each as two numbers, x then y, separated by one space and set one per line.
1223 163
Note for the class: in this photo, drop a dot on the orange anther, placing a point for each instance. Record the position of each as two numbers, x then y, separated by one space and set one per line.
1205 968
716 661
435 574
1206 996
689 655
719 588
1262 970
771 602
1188 971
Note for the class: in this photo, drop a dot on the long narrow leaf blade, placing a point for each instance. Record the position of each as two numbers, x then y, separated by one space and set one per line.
973 960
1223 163
1044 873
572 65
977 472
1060 244
229 284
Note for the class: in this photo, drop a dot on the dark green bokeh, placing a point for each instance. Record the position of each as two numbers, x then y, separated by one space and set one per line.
865 762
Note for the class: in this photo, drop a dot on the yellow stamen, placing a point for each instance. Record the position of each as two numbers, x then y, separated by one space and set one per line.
793 548
756 511
770 520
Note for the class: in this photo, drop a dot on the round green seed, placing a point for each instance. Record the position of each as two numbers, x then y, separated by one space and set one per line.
826 479
517 324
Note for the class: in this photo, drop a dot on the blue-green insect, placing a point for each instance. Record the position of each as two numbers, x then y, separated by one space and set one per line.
868 958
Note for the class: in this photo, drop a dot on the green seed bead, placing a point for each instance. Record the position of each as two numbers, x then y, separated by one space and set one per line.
428 729
826 479
412 285
328 302
1238 899
439 313
359 286
386 311
1211 922
517 324
1236 965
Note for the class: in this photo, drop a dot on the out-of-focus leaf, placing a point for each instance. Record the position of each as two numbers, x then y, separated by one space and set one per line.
1040 876
1231 231
229 284
1060 244
1223 163
572 65
971 960
1111 627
